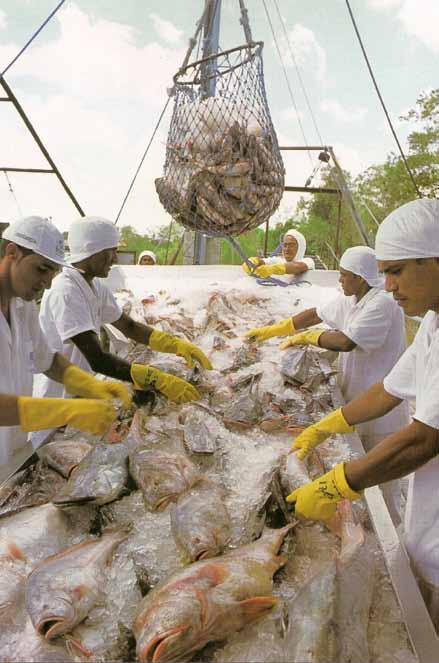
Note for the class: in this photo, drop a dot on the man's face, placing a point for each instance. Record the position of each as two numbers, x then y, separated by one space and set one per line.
99 264
147 260
29 274
289 248
350 282
414 284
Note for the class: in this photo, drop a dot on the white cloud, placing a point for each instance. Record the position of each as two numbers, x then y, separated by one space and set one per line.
290 115
384 5
166 30
342 113
3 20
419 18
95 108
308 53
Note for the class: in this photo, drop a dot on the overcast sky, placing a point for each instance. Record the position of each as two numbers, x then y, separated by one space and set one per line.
94 82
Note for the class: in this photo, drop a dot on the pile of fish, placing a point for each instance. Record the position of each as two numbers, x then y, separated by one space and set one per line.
223 172
170 538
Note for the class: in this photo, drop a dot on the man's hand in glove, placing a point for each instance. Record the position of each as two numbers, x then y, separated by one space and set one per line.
317 433
91 416
79 383
174 388
308 337
282 328
163 342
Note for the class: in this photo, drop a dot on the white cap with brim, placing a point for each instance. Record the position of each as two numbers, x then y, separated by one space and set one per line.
40 236
90 235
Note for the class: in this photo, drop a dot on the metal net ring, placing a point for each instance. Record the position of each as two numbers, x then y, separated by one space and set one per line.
223 173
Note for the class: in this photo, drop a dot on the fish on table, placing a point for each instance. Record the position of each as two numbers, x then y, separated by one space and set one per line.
100 477
64 455
200 522
63 588
208 600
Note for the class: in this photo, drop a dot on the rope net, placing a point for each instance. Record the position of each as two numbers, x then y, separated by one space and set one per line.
223 173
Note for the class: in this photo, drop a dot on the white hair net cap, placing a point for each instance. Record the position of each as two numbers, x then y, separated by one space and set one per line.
90 235
361 260
301 243
151 254
411 231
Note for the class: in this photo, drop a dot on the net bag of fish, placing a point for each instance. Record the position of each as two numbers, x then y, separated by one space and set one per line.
223 173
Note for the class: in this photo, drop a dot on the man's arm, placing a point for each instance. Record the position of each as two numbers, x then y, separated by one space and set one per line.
372 404
296 268
9 410
99 360
57 368
396 456
132 329
336 340
306 319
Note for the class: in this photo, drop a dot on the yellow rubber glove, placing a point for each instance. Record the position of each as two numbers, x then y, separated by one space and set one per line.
308 337
318 500
163 342
175 389
254 261
80 383
271 270
91 416
282 328
317 433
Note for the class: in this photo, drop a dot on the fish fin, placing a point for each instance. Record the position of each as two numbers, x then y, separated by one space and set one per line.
258 605
14 553
76 648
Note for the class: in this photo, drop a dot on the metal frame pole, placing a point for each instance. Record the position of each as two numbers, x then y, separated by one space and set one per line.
13 99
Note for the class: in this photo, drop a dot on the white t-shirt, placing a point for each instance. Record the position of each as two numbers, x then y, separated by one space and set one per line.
71 307
376 325
23 352
416 376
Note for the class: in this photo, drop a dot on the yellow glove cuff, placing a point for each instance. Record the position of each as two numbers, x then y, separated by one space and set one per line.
254 261
337 422
140 375
161 342
77 382
342 485
313 335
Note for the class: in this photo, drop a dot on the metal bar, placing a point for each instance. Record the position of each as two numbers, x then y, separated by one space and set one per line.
311 189
26 170
267 227
419 626
4 99
38 141
337 232
339 176
301 148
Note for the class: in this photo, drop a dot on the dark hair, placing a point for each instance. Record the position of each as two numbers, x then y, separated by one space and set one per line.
4 243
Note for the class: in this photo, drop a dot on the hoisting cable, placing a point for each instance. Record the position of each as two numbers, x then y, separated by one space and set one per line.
382 101
142 159
29 42
287 81
299 76
13 193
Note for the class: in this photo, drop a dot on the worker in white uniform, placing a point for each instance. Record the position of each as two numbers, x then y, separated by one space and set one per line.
31 253
78 304
147 258
292 261
367 328
407 249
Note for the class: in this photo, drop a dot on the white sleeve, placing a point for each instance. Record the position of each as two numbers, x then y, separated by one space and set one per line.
309 262
42 354
333 313
427 404
69 314
401 381
111 311
273 260
370 327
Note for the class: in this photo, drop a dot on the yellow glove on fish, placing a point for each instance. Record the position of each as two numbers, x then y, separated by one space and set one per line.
308 337
91 416
163 342
282 328
254 261
80 383
318 500
317 433
264 271
175 389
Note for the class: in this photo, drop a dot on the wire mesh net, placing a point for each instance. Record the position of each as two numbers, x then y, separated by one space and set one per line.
223 173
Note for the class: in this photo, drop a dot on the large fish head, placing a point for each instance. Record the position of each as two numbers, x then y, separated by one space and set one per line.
171 629
52 613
